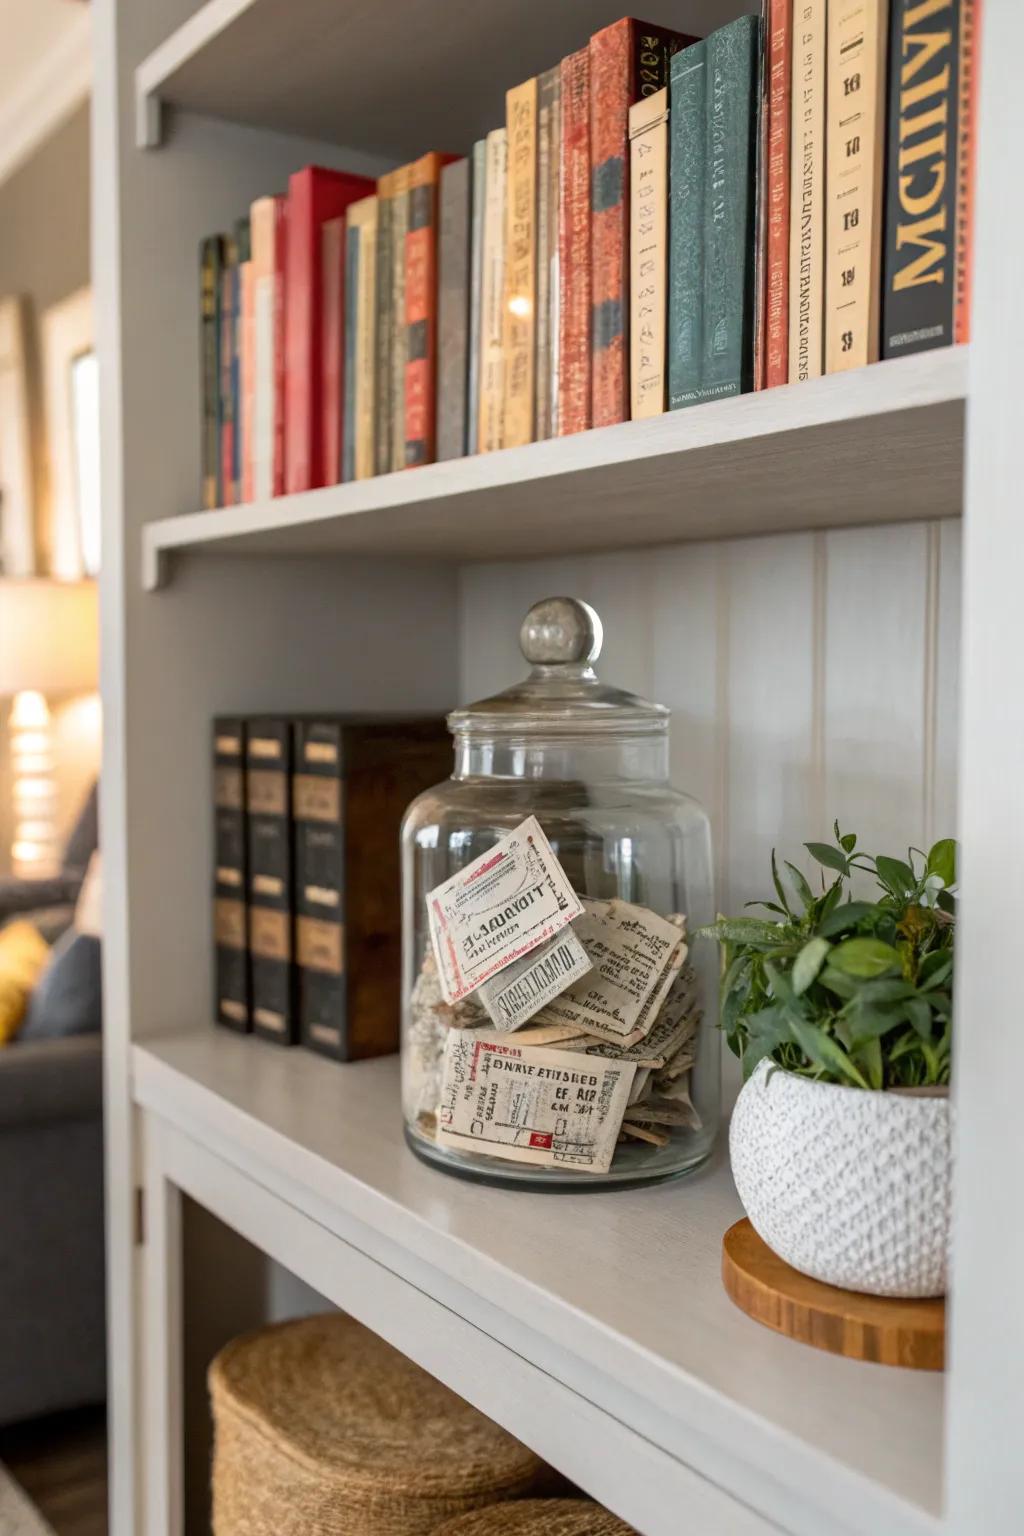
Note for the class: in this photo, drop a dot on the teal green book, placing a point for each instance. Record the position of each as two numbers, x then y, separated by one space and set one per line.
688 72
731 128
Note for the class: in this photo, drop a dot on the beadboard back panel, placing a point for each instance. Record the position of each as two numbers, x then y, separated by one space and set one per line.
810 676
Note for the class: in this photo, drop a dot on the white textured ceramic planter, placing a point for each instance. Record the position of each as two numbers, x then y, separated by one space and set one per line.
849 1186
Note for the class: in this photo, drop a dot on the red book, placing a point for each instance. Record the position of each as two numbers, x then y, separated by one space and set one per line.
628 60
332 252
780 67
970 53
574 247
421 309
314 196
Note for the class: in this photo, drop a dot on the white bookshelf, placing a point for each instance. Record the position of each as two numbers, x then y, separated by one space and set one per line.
807 633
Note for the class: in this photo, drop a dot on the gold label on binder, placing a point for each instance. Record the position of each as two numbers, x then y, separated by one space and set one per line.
233 1010
319 945
269 1019
324 1034
315 798
264 746
268 792
229 923
227 789
269 935
227 746
322 895
227 876
267 885
320 752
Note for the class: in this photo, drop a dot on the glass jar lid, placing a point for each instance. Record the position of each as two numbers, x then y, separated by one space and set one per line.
563 695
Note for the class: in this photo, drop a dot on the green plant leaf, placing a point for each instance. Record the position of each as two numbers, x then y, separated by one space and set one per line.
825 1052
868 1058
942 860
896 875
865 957
780 889
769 906
801 887
920 1016
831 857
808 963
848 841
934 969
947 902
845 916
843 986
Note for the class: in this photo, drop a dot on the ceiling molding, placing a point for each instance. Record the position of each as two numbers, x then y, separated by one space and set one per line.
47 95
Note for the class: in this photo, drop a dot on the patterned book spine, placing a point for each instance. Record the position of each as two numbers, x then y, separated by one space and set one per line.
229 271
547 216
687 100
855 140
210 260
384 323
243 249
554 268
360 384
780 63
574 247
648 247
807 193
967 139
332 345
919 278
520 264
353 257
399 326
492 304
421 311
453 309
476 288
628 60
230 927
729 208
268 796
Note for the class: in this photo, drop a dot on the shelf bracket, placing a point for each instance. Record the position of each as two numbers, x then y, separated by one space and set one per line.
155 565
148 119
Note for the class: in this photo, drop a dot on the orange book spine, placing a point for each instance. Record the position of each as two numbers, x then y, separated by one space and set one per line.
780 66
421 310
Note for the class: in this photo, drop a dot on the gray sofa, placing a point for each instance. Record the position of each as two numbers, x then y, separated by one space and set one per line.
51 1189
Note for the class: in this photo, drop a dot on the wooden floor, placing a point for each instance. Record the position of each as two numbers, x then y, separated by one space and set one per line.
61 1462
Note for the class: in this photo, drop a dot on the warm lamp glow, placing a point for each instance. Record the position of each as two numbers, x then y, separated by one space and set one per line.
29 710
519 305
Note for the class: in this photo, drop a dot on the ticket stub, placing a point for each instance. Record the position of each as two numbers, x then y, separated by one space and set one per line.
522 988
505 904
531 1106
632 949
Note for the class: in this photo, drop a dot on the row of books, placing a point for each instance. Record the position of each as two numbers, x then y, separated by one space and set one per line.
661 220
306 880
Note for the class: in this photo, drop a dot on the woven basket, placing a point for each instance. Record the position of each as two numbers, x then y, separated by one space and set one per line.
538 1517
322 1429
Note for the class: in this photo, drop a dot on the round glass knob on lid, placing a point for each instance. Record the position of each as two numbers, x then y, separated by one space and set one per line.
561 637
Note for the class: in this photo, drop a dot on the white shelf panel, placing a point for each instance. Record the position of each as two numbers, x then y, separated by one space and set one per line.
616 1298
394 78
883 444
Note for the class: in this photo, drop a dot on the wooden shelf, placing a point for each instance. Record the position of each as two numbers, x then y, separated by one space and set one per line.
615 1299
884 444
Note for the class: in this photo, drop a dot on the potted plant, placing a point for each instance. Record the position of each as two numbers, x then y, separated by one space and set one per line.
840 1011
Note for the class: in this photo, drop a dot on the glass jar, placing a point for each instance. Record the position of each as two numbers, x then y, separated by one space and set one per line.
590 763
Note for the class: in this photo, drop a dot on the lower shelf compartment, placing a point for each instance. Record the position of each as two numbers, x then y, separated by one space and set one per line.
594 1326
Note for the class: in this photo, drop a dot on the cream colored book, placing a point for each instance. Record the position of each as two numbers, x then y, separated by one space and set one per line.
492 305
648 248
362 216
857 31
520 319
807 193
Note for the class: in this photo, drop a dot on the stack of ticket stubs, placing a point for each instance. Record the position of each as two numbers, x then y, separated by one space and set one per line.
546 1027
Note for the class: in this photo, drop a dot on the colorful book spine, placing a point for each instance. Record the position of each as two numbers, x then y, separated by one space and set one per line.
628 60
492 300
453 280
384 323
574 312
315 195
351 327
230 862
807 192
648 250
780 66
478 197
211 256
732 119
361 377
421 311
687 114
855 139
229 271
399 327
970 39
243 250
548 97
332 345
919 282
271 945
247 370
266 218
520 264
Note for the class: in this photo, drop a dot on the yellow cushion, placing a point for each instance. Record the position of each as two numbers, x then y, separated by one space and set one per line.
23 953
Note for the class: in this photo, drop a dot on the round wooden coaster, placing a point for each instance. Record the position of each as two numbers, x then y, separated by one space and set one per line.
881 1328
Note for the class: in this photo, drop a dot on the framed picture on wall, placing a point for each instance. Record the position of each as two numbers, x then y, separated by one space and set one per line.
71 385
17 483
